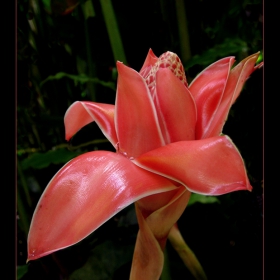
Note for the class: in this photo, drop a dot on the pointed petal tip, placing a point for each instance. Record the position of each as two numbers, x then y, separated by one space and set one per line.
247 187
150 60
35 256
151 53
68 136
121 66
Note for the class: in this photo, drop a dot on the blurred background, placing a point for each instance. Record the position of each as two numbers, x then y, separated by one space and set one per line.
67 51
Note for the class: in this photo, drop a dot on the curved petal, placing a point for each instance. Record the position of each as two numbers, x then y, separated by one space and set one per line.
207 89
237 77
240 74
136 120
153 233
81 113
84 194
175 107
148 257
211 166
162 220
152 203
149 62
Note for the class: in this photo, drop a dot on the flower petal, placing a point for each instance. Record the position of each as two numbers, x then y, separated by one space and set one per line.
137 125
162 220
207 89
175 107
149 62
84 194
81 113
148 257
237 77
153 233
211 166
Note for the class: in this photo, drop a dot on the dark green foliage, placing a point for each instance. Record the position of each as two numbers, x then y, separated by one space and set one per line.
43 160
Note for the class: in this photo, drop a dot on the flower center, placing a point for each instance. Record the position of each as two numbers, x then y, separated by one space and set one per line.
168 60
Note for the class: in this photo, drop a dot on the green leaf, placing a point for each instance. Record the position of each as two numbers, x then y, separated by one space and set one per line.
21 270
42 160
202 199
260 58
82 78
229 47
47 5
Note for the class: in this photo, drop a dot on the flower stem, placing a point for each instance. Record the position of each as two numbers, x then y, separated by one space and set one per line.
113 30
186 254
183 31
91 62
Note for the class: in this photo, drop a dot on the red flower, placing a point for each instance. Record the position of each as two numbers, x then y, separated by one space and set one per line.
168 144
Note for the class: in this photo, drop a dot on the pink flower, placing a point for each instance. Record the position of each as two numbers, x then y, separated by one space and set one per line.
168 144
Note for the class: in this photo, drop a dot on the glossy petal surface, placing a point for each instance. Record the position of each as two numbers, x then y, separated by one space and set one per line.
210 166
83 195
178 124
137 125
80 114
207 89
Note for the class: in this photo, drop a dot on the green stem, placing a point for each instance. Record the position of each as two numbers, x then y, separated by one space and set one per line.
183 31
186 254
91 64
113 31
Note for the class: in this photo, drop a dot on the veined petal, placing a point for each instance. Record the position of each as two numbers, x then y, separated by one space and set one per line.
237 77
149 62
207 89
175 107
84 194
136 120
81 113
211 166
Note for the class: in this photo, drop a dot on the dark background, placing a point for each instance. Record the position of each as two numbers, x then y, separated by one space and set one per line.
226 235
